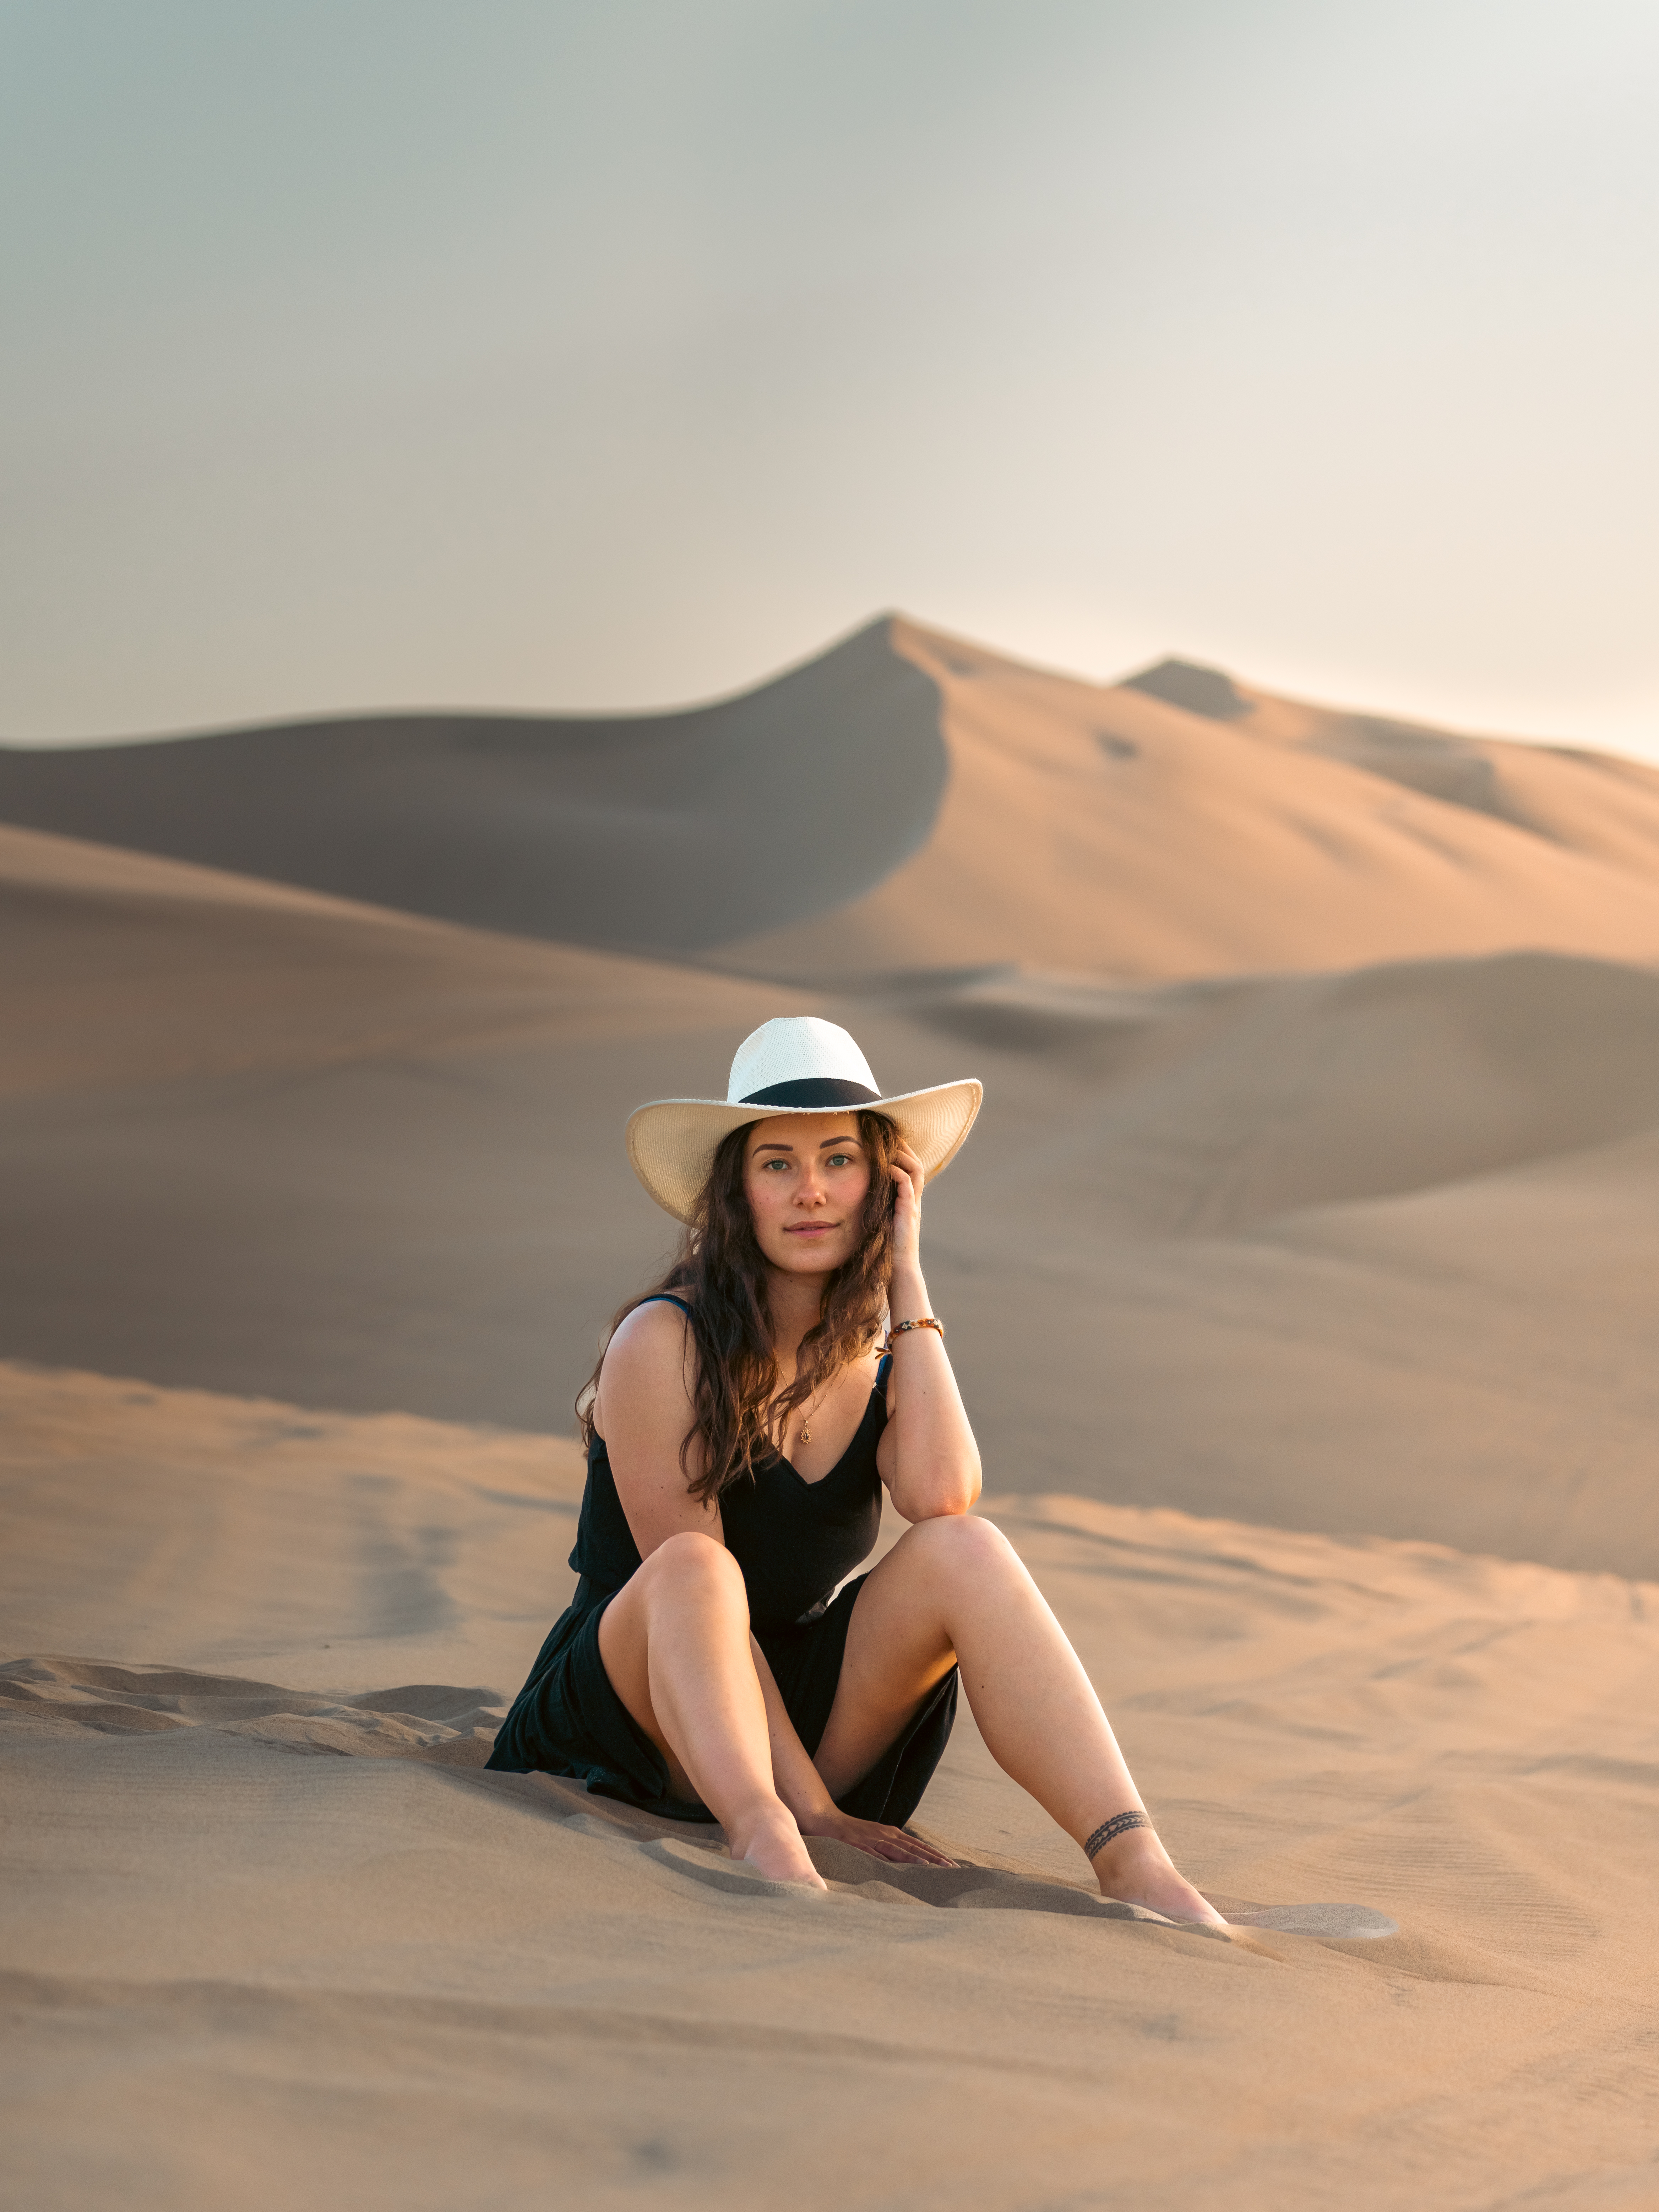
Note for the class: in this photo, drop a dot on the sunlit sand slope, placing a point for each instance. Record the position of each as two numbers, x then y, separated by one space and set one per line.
271 1935
1592 803
1107 830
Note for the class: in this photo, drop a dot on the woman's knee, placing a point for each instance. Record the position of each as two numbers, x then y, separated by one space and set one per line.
693 1563
963 1543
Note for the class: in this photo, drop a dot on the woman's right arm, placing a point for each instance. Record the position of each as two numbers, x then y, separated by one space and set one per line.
644 1410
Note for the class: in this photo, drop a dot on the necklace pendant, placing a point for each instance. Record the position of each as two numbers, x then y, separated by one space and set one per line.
805 1434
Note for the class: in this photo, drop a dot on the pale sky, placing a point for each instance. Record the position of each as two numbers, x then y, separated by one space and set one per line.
377 353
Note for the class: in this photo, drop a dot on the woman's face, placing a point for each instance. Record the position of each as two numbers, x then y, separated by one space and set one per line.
807 1175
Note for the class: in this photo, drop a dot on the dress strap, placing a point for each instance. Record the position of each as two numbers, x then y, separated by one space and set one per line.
667 1299
884 1371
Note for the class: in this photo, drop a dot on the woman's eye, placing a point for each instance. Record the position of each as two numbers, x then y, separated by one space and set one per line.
841 1160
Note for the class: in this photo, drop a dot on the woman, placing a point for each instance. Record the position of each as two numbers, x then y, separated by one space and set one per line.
740 1425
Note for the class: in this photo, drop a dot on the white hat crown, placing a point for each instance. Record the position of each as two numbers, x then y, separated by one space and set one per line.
800 1061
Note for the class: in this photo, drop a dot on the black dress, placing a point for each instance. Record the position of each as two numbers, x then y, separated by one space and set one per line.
794 1541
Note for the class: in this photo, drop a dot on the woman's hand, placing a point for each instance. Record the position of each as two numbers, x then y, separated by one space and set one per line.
895 1845
909 1176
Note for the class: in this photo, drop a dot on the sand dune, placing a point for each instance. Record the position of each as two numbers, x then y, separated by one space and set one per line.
1106 830
1223 1105
1369 1253
255 967
361 1970
1366 1253
908 800
1595 803
1299 1275
665 833
270 1142
126 970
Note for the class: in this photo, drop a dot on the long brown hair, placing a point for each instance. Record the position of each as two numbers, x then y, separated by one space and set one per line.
721 1274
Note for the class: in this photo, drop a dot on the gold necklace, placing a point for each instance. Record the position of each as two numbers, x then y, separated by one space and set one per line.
806 1424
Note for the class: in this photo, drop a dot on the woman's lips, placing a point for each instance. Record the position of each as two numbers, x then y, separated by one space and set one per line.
810 1228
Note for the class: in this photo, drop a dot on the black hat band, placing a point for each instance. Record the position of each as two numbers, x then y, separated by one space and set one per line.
819 1092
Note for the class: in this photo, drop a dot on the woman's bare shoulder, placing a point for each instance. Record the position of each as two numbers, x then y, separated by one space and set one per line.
646 1355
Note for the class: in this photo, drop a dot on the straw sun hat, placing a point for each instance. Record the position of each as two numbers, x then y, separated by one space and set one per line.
796 1065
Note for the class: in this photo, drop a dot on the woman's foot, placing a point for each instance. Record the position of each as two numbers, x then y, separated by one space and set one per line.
774 1846
1134 1869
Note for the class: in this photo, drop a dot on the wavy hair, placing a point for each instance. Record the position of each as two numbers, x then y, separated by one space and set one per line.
738 1413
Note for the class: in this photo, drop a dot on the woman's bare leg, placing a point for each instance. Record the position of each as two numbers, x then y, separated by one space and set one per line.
955 1588
675 1644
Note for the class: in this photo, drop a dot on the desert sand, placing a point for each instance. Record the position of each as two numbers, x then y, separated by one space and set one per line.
1299 1275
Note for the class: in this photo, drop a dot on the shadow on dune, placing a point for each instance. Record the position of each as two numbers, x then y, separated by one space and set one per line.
662 833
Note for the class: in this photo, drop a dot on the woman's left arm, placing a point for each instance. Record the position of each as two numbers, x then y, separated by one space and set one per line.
927 1456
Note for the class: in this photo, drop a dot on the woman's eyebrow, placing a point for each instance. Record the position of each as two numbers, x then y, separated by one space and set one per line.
773 1145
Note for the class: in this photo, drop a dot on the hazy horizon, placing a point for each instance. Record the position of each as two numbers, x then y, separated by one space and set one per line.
445 709
379 357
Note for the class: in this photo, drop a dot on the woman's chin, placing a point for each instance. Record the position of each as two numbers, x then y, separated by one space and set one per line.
815 1258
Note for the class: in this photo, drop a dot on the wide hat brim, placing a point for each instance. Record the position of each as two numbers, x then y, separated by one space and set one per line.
672 1142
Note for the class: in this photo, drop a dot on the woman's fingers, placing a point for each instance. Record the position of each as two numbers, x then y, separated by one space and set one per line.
909 1173
896 1846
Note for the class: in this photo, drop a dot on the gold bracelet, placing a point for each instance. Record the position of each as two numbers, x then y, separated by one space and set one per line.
898 1328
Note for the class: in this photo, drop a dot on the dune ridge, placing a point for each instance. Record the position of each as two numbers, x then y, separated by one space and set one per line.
657 833
1099 828
909 800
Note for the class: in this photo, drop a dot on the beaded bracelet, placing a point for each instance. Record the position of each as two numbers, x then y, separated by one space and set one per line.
898 1328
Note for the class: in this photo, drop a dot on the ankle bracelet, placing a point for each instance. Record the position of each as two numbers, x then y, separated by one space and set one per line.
1119 1825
